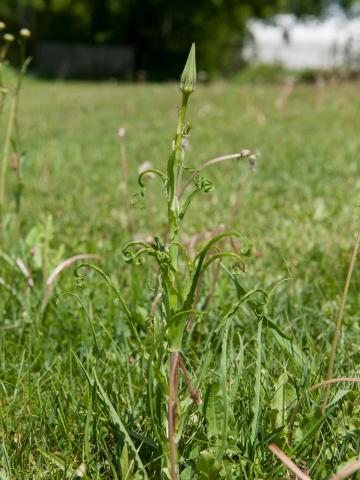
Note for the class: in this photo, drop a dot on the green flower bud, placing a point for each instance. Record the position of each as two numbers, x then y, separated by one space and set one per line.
9 37
2 26
188 77
25 33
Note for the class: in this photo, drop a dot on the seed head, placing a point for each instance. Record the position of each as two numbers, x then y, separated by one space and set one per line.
9 37
245 152
188 77
2 26
121 132
25 33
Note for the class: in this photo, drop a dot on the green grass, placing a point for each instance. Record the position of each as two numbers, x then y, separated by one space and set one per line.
300 210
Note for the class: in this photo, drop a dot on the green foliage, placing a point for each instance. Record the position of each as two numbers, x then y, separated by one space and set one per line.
159 30
262 74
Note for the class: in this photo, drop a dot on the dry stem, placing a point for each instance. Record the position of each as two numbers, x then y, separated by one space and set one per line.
347 471
62 266
234 156
338 322
193 391
311 389
288 462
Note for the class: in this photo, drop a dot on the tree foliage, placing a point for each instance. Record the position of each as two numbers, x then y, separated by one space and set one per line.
159 30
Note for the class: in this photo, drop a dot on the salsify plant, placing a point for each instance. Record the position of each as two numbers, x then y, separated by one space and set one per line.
9 105
179 273
163 346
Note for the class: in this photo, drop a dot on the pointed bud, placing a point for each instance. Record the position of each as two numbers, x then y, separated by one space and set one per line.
188 77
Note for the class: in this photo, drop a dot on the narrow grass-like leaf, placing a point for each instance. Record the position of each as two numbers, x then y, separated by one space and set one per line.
116 420
124 462
117 293
224 391
59 462
257 387
6 463
73 295
311 432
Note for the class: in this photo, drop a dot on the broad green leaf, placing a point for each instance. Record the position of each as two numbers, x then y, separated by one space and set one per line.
338 397
314 426
293 350
186 474
124 461
209 468
284 396
214 414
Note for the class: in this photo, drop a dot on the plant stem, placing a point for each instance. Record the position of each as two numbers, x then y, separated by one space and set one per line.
173 379
325 383
11 126
173 170
233 156
125 172
3 52
6 153
174 166
193 391
288 462
338 322
347 471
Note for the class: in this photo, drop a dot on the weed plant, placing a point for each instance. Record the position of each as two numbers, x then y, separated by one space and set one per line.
179 280
28 256
9 105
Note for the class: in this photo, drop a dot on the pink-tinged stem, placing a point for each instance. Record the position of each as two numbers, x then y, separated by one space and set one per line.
330 382
290 465
193 391
339 318
347 471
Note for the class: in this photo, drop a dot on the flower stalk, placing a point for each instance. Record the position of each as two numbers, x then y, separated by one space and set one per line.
174 166
11 128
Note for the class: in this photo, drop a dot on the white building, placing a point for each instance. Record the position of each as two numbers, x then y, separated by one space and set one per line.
332 42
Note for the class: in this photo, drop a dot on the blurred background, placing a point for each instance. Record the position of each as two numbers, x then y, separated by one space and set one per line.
149 39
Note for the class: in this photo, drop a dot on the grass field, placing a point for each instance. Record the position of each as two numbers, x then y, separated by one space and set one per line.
300 210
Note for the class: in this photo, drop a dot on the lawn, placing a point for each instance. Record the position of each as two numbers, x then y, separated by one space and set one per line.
300 211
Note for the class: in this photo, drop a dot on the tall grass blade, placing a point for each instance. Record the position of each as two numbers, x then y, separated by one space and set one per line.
257 387
116 420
